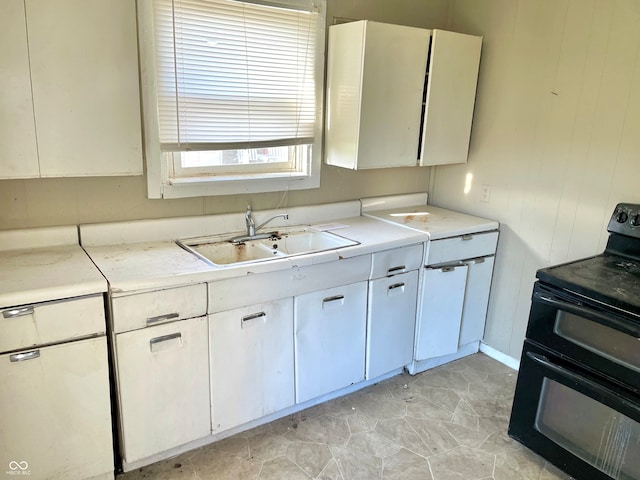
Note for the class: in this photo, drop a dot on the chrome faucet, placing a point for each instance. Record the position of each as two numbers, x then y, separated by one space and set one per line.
251 226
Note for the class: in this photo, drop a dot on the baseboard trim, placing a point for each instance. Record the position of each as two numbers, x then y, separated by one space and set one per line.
499 356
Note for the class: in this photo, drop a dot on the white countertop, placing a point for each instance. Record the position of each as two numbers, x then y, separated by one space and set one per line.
41 273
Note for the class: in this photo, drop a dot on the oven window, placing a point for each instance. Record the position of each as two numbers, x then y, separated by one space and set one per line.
590 430
611 344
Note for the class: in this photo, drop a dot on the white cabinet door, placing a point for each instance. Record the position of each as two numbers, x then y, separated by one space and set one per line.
163 380
330 329
476 299
451 95
375 81
19 157
441 311
391 323
84 73
251 362
55 411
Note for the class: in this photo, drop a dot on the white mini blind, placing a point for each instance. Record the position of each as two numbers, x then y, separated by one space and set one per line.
233 74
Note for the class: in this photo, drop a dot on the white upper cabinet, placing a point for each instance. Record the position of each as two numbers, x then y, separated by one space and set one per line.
19 156
451 94
76 102
399 96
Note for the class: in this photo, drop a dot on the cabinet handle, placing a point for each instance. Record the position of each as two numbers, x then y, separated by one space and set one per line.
396 269
254 316
164 338
21 357
396 285
334 298
467 236
18 312
160 318
447 269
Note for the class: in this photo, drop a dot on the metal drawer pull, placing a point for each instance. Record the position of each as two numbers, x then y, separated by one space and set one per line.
396 285
467 237
164 338
395 269
254 316
21 357
160 318
333 299
18 312
447 269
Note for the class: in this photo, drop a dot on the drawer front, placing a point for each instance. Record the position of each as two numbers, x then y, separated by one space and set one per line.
25 326
462 247
396 261
161 306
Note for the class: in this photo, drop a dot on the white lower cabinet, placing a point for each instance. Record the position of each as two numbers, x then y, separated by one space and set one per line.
391 323
330 331
251 362
476 299
440 315
56 421
163 380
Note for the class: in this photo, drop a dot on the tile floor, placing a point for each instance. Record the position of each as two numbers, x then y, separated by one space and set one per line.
448 423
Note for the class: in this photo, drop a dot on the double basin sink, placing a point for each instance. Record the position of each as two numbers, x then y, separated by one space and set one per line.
263 247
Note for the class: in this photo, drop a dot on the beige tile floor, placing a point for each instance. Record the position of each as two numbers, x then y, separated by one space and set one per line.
448 423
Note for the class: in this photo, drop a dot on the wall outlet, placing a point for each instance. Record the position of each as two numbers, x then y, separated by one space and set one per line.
485 193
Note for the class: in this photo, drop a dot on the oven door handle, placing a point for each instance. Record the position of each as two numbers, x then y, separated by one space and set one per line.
628 328
584 382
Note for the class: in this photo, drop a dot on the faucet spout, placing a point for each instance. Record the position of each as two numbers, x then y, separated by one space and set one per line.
281 215
251 225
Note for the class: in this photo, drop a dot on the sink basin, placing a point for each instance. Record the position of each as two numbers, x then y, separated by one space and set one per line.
279 244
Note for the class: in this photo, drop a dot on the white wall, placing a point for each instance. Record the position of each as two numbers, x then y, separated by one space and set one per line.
556 136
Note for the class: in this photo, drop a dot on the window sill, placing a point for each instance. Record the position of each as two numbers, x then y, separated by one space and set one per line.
235 184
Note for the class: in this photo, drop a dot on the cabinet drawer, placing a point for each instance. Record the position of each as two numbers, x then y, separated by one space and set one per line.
150 308
25 326
462 247
396 261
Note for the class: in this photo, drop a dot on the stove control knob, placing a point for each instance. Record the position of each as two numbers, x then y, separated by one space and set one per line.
622 217
635 220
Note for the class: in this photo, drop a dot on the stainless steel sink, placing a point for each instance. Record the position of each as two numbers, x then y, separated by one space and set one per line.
280 244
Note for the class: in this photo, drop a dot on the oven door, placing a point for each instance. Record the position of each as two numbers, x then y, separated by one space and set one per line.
601 338
580 422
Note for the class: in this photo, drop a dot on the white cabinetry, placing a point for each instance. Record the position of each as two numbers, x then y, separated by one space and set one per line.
76 82
251 362
391 313
56 413
454 293
330 329
380 111
162 371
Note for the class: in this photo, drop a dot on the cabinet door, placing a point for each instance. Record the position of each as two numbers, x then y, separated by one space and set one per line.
55 411
375 81
19 157
476 299
251 362
330 329
441 311
451 93
163 386
84 75
391 323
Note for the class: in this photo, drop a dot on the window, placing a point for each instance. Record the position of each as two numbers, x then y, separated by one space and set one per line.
232 95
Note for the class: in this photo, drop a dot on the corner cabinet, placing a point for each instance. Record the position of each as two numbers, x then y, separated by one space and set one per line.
75 110
399 96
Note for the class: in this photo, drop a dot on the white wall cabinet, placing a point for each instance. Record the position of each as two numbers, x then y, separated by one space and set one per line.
330 329
399 96
56 418
163 386
77 113
251 362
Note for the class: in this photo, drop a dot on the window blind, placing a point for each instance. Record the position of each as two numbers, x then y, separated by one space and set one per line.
235 74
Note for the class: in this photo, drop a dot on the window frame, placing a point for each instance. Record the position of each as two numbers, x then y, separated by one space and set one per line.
159 165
